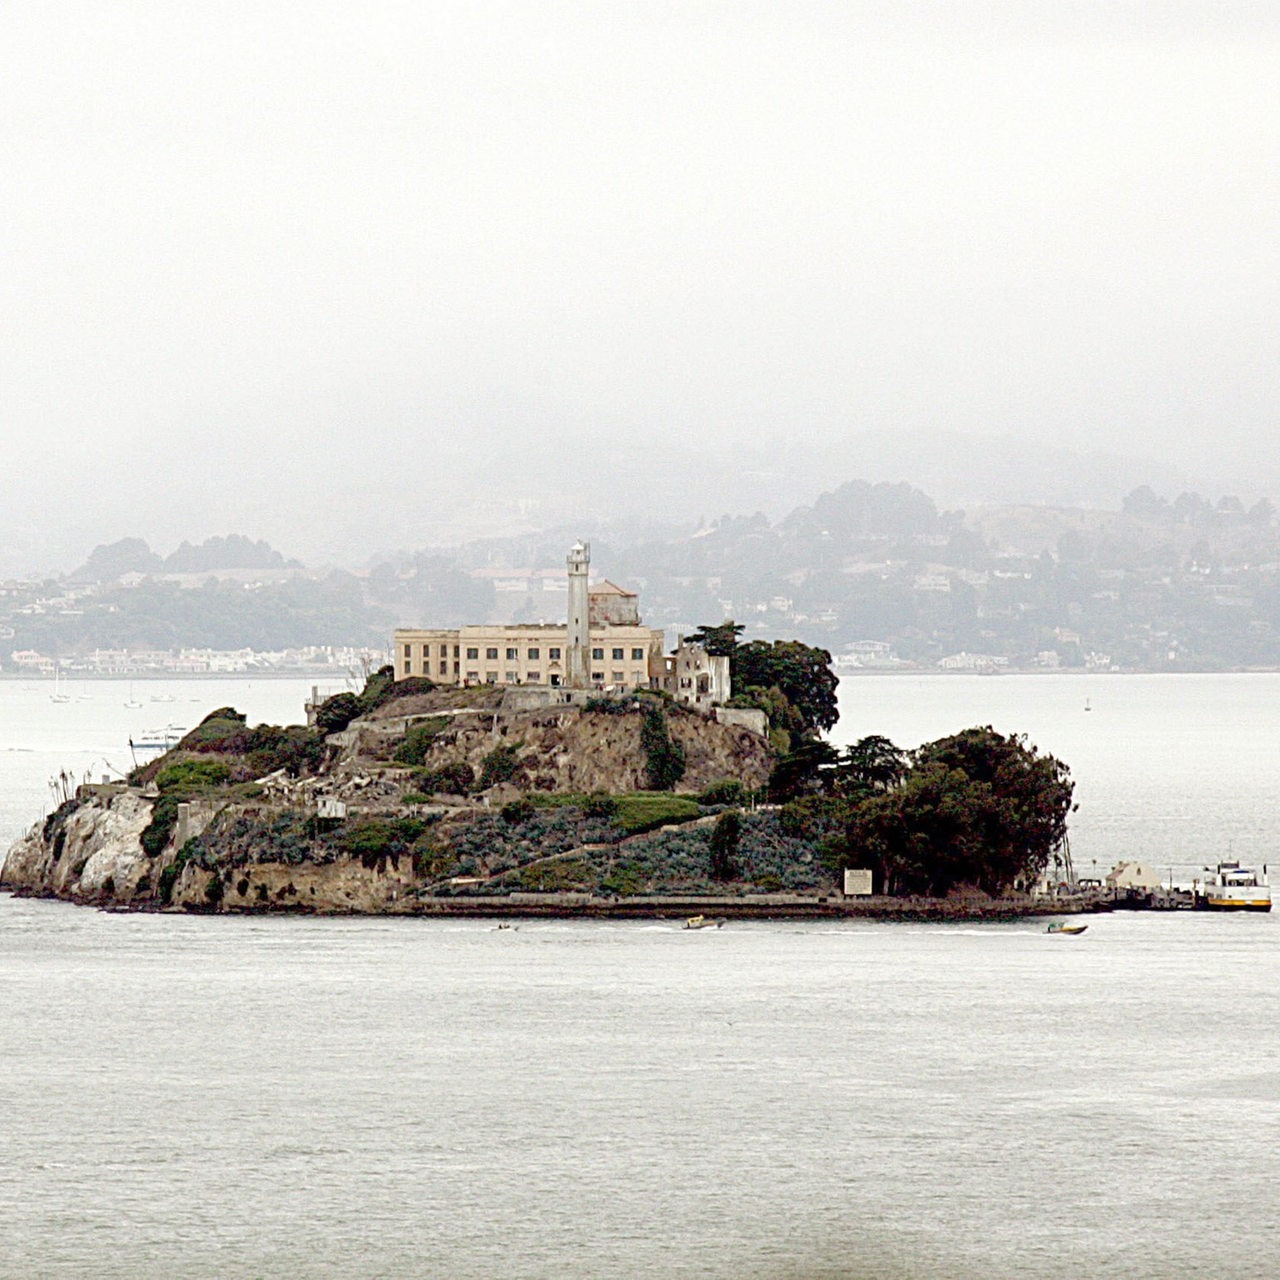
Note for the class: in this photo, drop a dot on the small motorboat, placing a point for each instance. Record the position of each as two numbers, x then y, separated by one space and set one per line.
1058 927
701 922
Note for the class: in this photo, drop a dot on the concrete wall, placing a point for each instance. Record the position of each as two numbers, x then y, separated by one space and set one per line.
745 718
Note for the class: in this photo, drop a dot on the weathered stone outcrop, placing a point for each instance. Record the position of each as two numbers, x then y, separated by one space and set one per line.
566 749
90 850
197 831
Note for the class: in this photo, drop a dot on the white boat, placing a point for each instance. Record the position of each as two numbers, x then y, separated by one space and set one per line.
158 739
1232 887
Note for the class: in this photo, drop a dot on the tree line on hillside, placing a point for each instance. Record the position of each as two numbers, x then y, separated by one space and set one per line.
976 808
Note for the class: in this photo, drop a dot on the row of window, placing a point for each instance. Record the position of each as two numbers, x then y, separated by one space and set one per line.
426 651
534 677
534 654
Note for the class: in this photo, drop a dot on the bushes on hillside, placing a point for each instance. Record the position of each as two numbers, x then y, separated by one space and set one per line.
457 778
192 775
500 765
645 811
334 714
264 747
417 741
725 791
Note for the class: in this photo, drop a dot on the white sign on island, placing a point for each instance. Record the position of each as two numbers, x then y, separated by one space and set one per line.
857 882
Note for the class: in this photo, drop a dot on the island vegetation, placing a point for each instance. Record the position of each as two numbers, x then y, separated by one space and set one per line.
405 796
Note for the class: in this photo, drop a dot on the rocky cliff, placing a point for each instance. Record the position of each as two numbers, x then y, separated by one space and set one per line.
403 798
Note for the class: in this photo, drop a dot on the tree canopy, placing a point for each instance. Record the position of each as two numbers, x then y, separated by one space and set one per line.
791 682
977 808
719 641
802 672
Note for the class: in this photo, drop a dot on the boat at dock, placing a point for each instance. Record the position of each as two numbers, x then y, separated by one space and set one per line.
1232 887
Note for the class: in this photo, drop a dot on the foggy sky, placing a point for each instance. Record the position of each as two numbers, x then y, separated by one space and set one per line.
356 275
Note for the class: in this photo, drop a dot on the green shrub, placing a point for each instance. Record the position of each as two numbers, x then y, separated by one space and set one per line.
723 791
646 810
517 811
368 841
169 876
215 728
377 689
431 859
295 749
418 739
213 891
499 765
409 687
164 817
192 775
624 878
265 747
600 804
376 840
725 839
454 779
557 875
334 714
612 706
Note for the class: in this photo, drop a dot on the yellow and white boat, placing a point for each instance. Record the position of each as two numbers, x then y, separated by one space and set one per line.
704 922
1232 887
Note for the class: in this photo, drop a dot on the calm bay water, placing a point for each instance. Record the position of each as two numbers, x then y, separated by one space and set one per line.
292 1097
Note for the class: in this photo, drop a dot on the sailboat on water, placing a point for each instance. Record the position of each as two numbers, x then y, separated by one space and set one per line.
57 695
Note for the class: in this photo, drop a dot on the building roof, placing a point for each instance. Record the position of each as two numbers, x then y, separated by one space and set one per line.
607 588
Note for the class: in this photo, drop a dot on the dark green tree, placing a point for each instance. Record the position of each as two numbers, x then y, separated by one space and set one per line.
976 808
802 672
335 713
873 763
801 770
725 839
664 758
720 641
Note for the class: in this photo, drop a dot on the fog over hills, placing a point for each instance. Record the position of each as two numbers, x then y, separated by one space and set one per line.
375 509
396 274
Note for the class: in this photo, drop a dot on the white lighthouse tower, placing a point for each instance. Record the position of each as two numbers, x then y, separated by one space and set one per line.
578 665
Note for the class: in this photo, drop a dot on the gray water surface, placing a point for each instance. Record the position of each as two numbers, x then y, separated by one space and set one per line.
238 1097
291 1097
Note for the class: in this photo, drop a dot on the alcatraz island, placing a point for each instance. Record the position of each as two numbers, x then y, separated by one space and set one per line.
574 768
